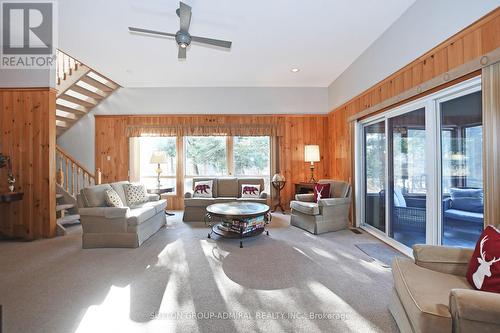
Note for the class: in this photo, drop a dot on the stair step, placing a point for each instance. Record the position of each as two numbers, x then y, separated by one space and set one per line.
81 110
67 119
87 92
69 219
72 99
93 82
59 196
64 207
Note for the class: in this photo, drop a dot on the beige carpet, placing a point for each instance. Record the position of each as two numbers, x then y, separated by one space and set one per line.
180 281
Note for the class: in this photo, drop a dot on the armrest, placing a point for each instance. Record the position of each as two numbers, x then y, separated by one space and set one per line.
263 195
450 260
475 309
152 197
333 202
446 204
188 194
309 197
106 212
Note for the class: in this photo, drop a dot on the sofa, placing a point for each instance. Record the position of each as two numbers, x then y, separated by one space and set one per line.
117 226
326 215
224 189
464 207
431 294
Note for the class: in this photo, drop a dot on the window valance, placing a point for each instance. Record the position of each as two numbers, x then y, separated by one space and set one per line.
249 129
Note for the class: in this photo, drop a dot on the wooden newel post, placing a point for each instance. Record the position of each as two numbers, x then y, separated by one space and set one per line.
98 176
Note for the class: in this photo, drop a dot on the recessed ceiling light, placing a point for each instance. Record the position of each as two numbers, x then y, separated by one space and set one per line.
295 70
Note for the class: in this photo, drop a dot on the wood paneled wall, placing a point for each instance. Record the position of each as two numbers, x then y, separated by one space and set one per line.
299 130
28 125
471 43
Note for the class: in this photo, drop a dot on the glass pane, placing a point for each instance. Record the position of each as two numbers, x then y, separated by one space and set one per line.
408 178
206 156
252 157
374 161
148 171
462 170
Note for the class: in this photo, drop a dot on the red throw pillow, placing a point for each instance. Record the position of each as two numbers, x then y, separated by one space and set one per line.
321 191
484 266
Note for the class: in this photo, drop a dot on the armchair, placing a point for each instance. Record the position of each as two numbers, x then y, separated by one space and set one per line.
326 215
431 294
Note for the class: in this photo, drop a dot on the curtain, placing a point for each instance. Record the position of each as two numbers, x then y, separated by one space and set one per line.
134 160
491 144
272 129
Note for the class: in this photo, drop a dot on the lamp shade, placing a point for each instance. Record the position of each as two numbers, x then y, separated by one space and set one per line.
311 153
158 157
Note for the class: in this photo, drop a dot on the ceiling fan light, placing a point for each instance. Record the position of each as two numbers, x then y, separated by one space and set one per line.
183 45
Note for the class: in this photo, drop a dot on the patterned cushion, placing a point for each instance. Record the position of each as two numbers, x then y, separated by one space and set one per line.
113 199
135 193
203 189
250 191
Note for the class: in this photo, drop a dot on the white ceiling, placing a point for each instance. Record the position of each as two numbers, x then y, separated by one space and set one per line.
321 37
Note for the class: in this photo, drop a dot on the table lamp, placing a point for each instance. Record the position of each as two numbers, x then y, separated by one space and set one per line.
311 154
158 157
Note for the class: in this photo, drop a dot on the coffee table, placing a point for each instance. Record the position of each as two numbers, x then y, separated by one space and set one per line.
238 219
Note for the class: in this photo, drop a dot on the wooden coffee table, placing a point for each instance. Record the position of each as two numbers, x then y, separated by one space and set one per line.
238 219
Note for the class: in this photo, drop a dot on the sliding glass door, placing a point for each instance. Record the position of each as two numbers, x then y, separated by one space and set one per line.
421 169
461 169
374 175
407 180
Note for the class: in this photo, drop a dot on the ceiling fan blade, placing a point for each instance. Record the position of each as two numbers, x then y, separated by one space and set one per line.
182 53
216 42
185 16
152 32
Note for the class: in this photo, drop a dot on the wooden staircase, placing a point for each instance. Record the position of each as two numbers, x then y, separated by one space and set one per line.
71 177
79 90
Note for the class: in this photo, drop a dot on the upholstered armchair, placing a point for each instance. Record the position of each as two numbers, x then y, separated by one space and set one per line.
326 215
431 293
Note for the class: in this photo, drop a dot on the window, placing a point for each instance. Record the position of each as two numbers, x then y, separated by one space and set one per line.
147 171
214 156
252 158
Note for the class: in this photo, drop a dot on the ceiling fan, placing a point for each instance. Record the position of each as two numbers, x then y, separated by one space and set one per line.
182 37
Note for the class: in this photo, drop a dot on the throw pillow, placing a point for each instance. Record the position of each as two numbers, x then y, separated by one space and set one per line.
321 191
135 194
113 199
203 189
250 191
484 267
470 200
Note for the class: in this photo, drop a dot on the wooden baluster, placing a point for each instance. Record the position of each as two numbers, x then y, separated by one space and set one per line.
78 179
73 178
66 166
60 173
98 176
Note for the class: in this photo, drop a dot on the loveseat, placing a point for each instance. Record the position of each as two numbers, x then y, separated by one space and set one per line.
117 226
431 294
224 189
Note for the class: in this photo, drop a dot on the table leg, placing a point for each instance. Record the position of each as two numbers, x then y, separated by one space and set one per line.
241 236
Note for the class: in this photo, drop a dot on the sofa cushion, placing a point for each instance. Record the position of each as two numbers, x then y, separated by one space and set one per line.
484 266
224 199
227 187
118 187
95 196
250 191
136 194
463 215
214 184
425 294
203 189
113 199
198 202
321 191
259 200
158 205
309 208
139 214
251 181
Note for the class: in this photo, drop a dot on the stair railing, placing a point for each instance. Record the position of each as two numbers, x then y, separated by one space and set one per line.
71 175
65 65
